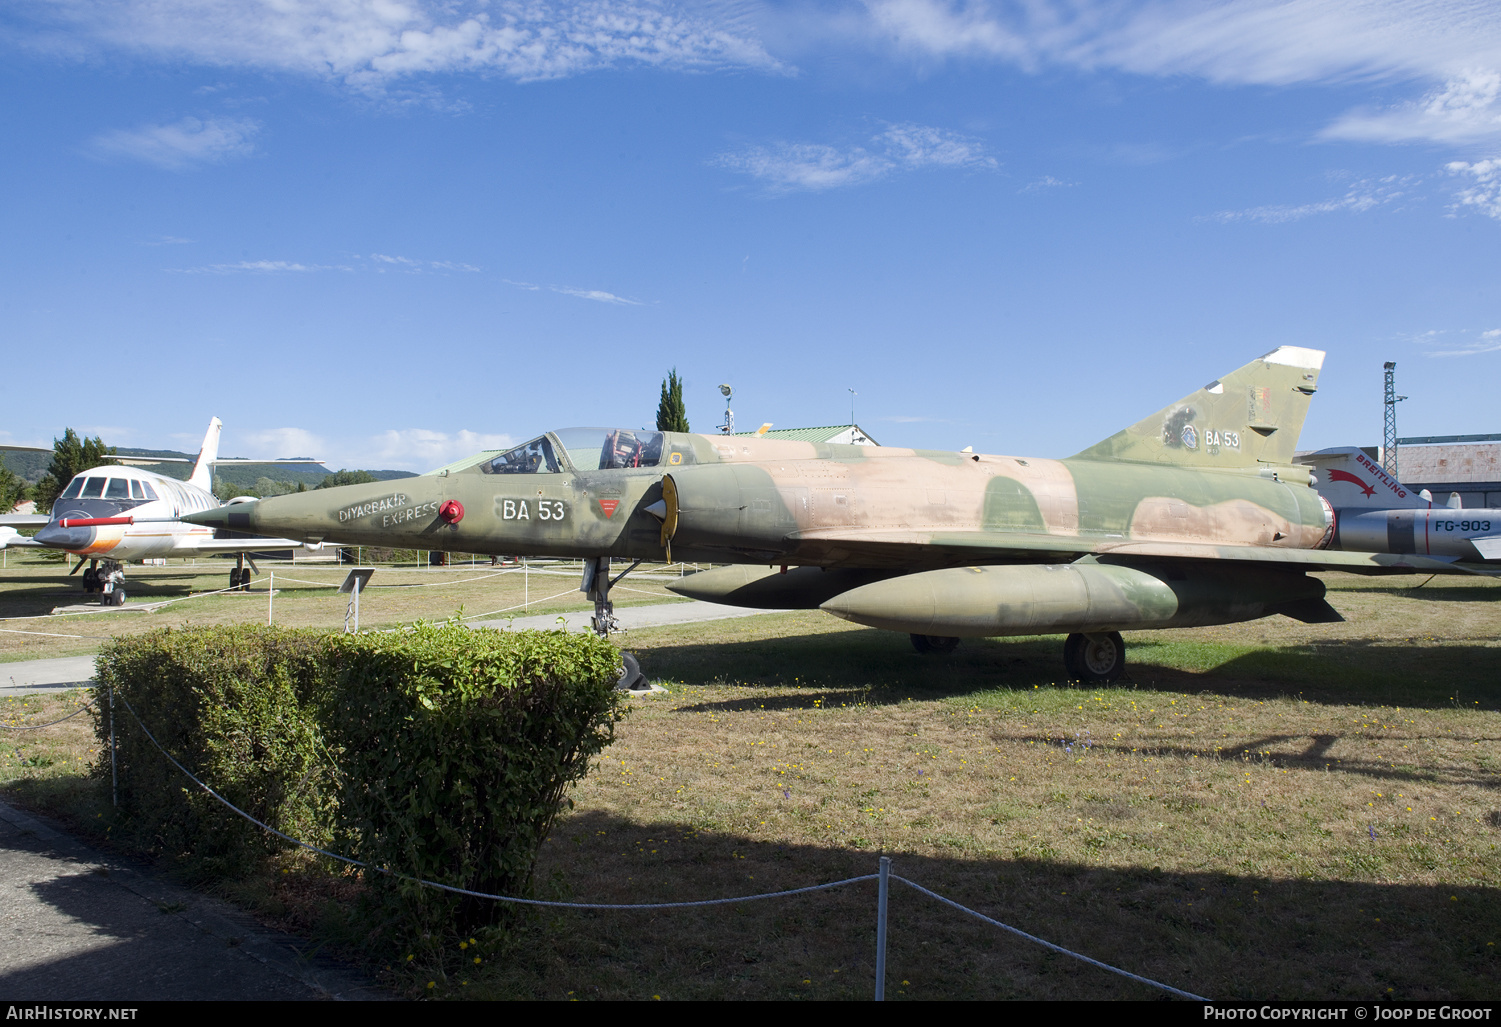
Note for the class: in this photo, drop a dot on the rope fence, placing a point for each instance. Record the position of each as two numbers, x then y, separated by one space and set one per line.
38 727
883 876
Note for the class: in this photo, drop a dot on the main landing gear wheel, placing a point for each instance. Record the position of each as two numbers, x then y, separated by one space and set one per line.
934 644
1094 658
631 679
116 598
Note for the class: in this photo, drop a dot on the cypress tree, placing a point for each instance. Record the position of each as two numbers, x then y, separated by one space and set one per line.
672 415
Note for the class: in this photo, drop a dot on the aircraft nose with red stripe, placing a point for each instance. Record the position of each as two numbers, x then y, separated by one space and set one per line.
80 522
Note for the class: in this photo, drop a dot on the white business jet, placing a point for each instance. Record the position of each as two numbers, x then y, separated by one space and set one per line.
109 515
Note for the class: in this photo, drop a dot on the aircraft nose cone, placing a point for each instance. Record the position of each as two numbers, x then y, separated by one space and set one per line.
65 538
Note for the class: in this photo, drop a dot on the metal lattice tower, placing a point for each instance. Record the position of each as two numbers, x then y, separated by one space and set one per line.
1389 440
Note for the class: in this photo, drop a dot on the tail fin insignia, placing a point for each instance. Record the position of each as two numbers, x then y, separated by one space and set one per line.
1247 419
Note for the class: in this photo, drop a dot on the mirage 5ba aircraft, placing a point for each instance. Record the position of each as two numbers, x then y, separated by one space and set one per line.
109 515
1196 515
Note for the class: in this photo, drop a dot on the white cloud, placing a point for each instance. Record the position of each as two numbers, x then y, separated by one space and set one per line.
401 449
1264 42
1046 182
1362 196
1459 343
182 145
1484 195
378 262
384 262
275 444
816 166
371 43
598 295
259 267
1454 46
424 450
1465 109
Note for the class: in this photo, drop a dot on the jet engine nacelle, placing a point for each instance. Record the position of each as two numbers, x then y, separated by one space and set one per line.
1078 597
732 508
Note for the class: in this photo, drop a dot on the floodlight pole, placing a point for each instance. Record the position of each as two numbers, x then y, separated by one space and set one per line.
1389 438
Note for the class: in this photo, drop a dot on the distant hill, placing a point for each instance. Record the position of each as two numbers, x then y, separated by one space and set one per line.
31 466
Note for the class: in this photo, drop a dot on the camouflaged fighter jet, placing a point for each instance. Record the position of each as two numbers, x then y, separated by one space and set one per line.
1196 515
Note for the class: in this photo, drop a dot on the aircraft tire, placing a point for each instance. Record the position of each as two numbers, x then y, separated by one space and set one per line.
117 597
631 679
934 645
1094 658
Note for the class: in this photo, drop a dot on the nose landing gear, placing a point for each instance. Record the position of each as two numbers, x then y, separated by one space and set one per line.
109 579
596 585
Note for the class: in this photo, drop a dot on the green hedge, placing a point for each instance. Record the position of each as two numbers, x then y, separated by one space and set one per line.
441 752
457 747
230 704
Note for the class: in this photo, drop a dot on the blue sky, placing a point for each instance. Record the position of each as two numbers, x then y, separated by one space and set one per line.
390 232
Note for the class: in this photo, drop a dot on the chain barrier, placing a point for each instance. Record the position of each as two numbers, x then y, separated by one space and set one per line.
49 634
38 727
881 876
1049 945
520 606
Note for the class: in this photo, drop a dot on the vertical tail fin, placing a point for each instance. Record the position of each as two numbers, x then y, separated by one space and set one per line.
1352 479
203 471
1247 419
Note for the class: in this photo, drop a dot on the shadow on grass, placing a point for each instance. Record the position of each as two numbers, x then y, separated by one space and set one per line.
39 595
1291 752
881 667
1256 934
1428 593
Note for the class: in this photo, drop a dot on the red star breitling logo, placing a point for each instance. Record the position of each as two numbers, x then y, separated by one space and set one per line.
1347 476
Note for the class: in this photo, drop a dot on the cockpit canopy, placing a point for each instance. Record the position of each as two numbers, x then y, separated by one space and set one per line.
99 485
580 449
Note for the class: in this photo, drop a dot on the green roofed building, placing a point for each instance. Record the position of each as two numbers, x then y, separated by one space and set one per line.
840 434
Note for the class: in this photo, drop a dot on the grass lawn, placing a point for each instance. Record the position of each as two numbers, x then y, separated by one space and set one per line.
1265 810
306 596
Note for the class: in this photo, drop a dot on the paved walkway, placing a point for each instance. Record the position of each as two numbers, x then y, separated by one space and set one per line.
26 677
78 926
655 615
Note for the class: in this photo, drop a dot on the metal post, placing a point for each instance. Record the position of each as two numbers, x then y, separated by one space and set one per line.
114 774
270 596
356 606
526 584
881 930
